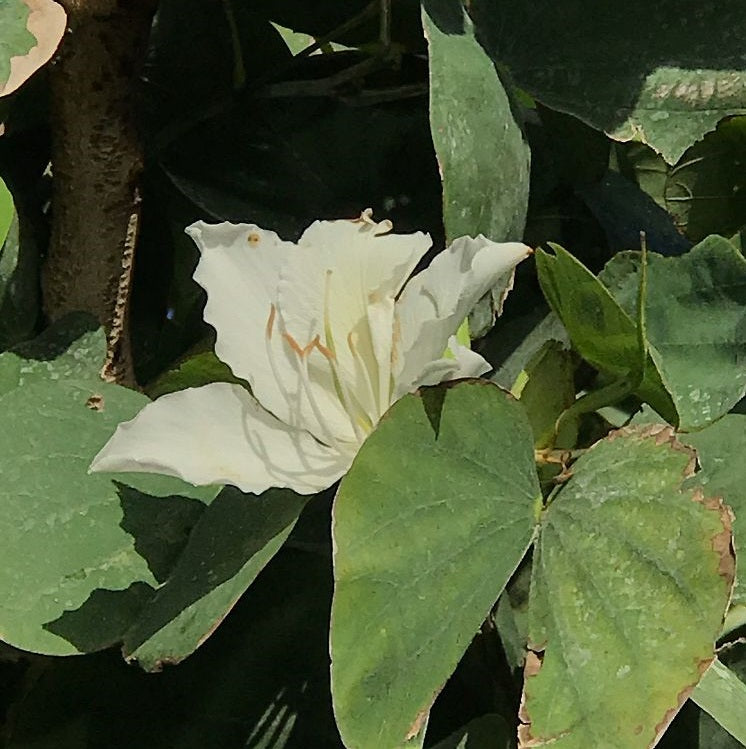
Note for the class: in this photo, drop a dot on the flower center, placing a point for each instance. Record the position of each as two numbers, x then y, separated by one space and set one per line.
351 401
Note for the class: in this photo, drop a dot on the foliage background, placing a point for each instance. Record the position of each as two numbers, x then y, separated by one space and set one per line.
539 121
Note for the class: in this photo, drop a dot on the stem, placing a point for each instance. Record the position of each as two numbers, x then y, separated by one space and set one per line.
384 35
97 162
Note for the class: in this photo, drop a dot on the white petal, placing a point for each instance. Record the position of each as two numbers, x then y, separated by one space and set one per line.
219 434
463 363
342 286
436 301
239 269
469 363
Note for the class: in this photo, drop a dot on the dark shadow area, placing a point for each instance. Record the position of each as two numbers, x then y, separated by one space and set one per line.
160 526
447 15
260 682
433 399
103 619
278 157
57 338
232 529
594 60
624 210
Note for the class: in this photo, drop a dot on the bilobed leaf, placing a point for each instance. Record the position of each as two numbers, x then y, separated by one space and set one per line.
62 529
484 160
32 29
432 519
695 328
663 81
631 579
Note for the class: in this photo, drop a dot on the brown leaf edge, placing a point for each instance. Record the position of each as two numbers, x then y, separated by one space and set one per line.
722 543
46 22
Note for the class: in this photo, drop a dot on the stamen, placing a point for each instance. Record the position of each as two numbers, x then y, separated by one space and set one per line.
361 369
352 406
306 381
270 321
361 424
271 358
294 344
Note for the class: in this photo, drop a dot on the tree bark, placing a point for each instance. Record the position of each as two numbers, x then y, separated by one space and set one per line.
97 162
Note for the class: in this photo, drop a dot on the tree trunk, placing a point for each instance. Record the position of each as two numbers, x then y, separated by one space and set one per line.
96 163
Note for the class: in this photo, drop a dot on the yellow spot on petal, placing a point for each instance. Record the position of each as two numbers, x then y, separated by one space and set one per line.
253 239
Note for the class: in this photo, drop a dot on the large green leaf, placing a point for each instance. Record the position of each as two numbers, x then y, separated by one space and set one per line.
663 73
435 514
31 33
705 191
695 306
603 332
60 527
631 579
64 531
483 157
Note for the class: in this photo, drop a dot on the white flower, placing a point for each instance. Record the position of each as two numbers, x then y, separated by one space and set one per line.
328 336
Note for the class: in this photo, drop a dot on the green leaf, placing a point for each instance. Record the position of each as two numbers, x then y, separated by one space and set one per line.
63 530
720 451
31 33
631 579
230 544
483 157
432 519
549 389
60 526
662 81
541 329
7 211
477 141
601 330
705 191
723 695
195 371
19 276
695 328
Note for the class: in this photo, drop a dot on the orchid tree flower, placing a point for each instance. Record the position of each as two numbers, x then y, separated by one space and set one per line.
328 332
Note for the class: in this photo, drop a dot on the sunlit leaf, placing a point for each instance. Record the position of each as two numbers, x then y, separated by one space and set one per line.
434 516
631 579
